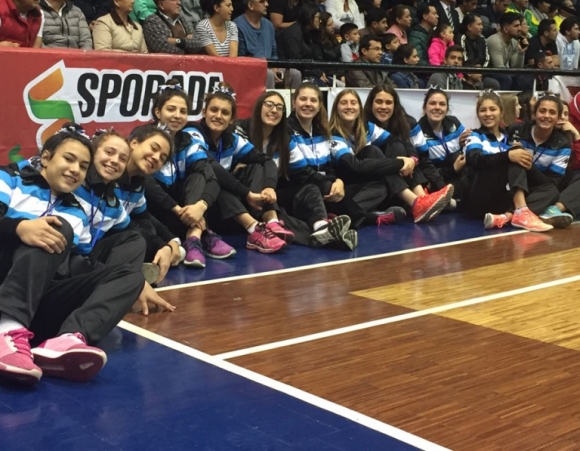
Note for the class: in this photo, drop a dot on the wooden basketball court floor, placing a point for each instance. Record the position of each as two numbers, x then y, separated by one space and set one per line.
455 338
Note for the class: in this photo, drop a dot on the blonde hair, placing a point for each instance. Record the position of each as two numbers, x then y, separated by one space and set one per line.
509 108
360 128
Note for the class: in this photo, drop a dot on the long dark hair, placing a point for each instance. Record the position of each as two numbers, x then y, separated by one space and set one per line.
326 39
398 124
524 98
404 51
279 141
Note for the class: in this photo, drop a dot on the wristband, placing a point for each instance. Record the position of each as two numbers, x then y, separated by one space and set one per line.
415 159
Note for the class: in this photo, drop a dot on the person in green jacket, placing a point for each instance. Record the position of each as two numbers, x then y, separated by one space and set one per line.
420 33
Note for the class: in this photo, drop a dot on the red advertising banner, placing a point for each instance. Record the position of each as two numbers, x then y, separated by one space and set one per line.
42 89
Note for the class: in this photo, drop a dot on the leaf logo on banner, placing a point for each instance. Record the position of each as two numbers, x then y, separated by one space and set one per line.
14 154
42 108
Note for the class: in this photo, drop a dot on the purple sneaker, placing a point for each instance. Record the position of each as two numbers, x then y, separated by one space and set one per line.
194 253
214 247
16 361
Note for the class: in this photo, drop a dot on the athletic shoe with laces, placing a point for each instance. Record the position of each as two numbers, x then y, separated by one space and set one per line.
492 221
214 247
281 232
331 232
16 361
427 207
391 215
264 240
69 357
194 253
556 218
350 239
524 218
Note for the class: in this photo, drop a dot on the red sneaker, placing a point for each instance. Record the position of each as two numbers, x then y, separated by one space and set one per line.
525 219
16 359
69 357
494 221
280 231
264 240
429 206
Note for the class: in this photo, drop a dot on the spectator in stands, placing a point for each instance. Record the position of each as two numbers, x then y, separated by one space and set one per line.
344 11
117 32
568 45
511 109
65 26
447 14
543 61
543 42
490 16
521 7
538 11
350 40
390 45
284 13
93 9
166 31
400 21
218 34
406 54
327 48
507 49
475 49
563 14
256 36
525 29
465 7
143 9
192 11
21 24
446 81
370 52
419 33
473 81
441 40
376 20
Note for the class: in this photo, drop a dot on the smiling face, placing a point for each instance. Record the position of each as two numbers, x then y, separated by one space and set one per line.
489 114
348 108
148 156
173 113
67 167
272 110
218 115
111 158
547 114
306 104
383 106
436 108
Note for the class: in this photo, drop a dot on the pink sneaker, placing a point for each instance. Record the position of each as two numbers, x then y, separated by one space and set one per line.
16 359
524 218
264 240
491 221
194 253
214 247
281 232
69 357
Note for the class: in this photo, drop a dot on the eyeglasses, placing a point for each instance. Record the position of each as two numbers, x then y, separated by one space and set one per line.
271 105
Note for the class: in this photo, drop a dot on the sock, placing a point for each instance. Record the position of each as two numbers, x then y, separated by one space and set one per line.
252 228
272 220
7 323
319 224
517 211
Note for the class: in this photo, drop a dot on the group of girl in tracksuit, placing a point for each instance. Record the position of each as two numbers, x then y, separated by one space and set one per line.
87 227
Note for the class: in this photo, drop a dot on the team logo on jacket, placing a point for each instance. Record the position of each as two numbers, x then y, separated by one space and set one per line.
66 94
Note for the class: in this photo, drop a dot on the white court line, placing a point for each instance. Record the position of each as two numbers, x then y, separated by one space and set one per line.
394 319
337 262
289 390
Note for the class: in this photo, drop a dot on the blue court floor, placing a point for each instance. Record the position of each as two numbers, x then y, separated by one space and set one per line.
150 397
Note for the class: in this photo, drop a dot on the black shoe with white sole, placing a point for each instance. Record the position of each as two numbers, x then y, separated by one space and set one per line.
330 233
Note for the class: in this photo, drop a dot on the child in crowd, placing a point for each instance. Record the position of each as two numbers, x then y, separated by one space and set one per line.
349 45
49 291
390 45
442 39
